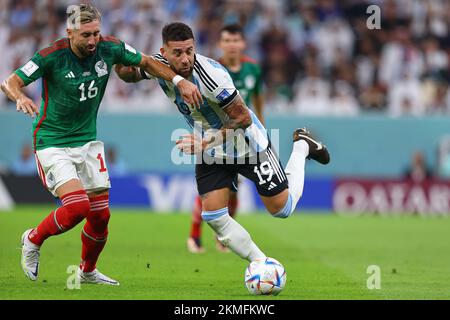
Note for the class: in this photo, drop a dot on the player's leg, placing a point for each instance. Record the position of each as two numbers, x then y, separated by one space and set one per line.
232 206
213 183
58 173
233 203
194 244
95 178
305 146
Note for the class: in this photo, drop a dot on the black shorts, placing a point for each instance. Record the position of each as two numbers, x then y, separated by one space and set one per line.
264 169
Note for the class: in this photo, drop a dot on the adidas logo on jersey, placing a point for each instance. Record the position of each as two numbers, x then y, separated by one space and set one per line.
70 75
272 185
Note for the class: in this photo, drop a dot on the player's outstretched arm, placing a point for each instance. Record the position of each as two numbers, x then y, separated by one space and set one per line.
128 74
12 87
189 91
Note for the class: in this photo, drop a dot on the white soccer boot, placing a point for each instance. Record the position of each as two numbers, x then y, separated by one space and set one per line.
30 257
95 277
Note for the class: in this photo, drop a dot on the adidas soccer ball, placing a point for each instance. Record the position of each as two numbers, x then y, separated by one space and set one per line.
265 277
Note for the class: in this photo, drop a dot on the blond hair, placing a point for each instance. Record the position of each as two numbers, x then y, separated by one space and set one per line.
81 14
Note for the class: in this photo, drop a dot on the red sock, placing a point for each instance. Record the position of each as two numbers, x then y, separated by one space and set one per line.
95 232
196 225
232 205
75 208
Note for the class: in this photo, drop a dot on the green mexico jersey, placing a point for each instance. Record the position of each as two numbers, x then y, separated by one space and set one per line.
72 89
247 80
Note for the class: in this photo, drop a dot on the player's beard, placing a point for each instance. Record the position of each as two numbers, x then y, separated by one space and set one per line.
85 52
185 73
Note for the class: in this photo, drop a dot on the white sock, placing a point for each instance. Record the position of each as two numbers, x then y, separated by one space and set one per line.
295 173
232 234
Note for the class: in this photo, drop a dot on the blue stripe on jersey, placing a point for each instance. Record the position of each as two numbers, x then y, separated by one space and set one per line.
164 86
183 107
207 112
261 144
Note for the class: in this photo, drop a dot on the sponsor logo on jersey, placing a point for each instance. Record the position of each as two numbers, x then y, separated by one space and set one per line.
101 68
272 185
29 68
70 75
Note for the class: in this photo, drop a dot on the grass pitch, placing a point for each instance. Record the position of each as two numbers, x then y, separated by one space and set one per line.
325 256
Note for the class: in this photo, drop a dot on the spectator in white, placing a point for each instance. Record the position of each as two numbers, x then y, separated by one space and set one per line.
25 164
405 98
334 35
343 101
400 57
436 59
313 92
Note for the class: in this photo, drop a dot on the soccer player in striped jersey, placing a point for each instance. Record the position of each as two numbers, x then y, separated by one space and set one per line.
70 161
247 78
228 139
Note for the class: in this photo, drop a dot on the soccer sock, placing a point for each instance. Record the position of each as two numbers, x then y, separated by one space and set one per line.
295 173
74 209
196 224
232 234
94 233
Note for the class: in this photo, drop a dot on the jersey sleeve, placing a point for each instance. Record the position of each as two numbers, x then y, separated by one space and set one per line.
127 55
32 70
217 80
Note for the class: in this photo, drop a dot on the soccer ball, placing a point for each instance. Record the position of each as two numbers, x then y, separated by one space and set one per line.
265 277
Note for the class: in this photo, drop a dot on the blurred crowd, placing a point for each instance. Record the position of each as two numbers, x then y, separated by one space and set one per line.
321 57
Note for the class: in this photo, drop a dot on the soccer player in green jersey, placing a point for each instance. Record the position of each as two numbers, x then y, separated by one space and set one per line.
247 78
70 161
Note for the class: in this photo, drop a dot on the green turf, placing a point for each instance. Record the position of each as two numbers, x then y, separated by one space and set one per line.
326 257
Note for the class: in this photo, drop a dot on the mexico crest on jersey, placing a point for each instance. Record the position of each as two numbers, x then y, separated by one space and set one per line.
101 68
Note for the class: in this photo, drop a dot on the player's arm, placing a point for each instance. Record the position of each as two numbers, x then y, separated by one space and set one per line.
239 118
238 113
13 89
189 91
128 73
151 66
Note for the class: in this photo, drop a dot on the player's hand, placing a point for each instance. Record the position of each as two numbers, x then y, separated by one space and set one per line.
190 93
191 144
27 106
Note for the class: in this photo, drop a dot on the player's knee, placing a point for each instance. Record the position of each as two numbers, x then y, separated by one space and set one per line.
286 210
99 218
277 203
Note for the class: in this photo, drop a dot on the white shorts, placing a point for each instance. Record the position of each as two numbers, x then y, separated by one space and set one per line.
56 166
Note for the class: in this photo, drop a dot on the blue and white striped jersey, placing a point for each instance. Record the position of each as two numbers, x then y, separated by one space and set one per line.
218 91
